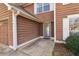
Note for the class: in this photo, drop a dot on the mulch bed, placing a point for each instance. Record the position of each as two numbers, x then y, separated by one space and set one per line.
61 50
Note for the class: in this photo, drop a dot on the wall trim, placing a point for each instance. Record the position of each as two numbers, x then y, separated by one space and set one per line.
51 6
21 11
57 41
25 13
29 42
14 23
73 15
35 10
4 18
55 22
65 3
26 43
9 7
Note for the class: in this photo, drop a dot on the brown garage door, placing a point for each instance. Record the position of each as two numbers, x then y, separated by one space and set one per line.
4 32
27 29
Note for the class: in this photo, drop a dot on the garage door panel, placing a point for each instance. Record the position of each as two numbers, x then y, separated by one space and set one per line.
4 32
27 29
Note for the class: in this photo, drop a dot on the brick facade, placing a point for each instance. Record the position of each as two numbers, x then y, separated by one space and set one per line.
43 17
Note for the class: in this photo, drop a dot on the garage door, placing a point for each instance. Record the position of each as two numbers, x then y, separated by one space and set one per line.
27 29
4 32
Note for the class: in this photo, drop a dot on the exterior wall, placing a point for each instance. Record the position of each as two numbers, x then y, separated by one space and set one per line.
44 17
29 8
27 29
6 14
61 12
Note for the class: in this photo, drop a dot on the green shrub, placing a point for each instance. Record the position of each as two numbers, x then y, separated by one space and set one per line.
72 43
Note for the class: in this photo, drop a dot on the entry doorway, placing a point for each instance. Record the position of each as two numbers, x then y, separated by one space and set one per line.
65 28
70 26
47 30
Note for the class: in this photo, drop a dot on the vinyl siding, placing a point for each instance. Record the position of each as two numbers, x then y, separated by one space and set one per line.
27 29
6 14
61 12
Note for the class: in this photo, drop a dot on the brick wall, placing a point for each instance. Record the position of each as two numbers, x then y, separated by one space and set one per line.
6 14
30 7
27 29
44 17
61 12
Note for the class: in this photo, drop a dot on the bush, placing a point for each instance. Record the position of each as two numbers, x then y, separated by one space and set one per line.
72 43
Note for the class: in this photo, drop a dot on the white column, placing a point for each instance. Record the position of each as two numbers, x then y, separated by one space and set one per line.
55 37
14 22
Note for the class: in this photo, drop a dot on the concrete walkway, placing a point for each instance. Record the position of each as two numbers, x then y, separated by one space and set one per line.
42 47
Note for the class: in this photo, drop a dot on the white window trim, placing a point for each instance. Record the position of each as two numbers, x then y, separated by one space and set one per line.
65 3
51 8
35 8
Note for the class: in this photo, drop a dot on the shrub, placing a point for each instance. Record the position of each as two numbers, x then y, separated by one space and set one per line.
72 43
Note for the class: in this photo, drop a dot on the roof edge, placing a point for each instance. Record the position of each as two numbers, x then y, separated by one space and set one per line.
18 9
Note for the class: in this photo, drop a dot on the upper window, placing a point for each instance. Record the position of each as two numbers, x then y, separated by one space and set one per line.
42 7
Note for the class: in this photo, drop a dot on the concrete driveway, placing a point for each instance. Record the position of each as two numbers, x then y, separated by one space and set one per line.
42 47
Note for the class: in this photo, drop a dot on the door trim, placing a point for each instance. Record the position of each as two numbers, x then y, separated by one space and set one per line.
73 15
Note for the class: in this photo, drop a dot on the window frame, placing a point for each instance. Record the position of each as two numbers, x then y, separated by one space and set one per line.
35 7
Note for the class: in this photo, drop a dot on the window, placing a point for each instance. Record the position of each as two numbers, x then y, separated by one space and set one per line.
39 7
43 7
74 25
46 7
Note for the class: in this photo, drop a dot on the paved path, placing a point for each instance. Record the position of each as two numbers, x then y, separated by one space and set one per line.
42 47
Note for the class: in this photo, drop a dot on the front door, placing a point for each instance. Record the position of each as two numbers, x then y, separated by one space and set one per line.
4 32
47 29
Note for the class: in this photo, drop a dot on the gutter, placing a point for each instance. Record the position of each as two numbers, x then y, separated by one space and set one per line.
21 10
